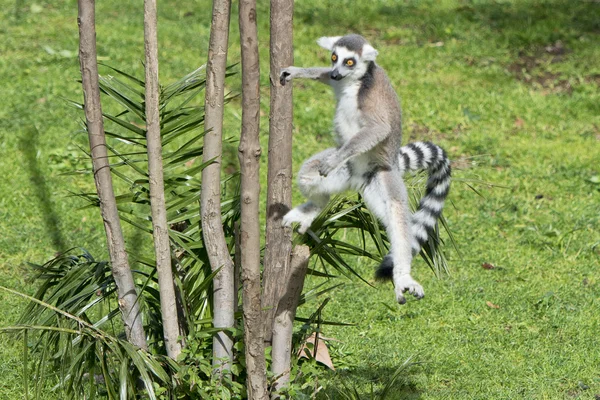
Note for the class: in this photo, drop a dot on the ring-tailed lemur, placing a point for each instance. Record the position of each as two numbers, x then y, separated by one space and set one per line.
369 158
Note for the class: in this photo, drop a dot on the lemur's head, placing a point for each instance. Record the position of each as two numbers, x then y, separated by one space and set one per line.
350 55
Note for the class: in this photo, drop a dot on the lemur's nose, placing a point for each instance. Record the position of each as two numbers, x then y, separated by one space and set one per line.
335 75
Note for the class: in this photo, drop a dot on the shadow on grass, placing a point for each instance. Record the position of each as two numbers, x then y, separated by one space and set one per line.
28 144
369 383
518 25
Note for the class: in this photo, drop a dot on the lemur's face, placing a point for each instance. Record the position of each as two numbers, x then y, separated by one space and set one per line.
350 56
343 63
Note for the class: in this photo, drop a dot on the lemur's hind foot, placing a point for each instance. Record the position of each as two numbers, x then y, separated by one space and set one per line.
403 284
406 283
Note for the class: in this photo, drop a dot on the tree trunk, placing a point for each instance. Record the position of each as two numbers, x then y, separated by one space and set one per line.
283 326
237 266
249 156
212 227
160 229
279 187
128 299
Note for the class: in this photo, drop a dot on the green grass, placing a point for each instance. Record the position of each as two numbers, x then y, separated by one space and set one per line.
487 80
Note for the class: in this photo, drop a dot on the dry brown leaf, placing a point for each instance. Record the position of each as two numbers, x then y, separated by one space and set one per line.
519 123
487 266
491 305
322 352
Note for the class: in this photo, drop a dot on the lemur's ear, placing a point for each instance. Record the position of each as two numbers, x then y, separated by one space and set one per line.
369 53
328 42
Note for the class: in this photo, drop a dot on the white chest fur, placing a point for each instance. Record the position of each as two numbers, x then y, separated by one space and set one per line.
347 114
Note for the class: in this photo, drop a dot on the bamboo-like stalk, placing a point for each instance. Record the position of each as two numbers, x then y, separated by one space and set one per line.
278 239
249 156
128 298
160 229
212 227
283 324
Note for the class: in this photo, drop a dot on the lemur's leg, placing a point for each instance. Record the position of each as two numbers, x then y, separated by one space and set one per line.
386 196
317 189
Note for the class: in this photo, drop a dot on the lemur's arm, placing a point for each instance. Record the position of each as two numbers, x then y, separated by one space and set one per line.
318 73
366 139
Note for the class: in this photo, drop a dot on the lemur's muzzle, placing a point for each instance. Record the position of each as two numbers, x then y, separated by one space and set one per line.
335 75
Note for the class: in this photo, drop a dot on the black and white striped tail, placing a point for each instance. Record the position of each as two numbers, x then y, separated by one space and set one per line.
416 157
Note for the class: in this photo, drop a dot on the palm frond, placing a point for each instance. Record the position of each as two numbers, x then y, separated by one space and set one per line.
78 349
78 341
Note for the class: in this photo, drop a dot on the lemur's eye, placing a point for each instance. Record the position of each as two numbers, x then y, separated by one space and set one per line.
350 62
333 57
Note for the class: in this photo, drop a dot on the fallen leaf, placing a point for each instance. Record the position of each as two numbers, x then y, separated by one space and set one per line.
487 266
519 123
491 305
307 350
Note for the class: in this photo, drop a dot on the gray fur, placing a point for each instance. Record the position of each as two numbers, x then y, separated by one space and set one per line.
352 42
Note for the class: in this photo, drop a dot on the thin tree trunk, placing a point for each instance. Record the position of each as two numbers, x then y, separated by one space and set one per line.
160 230
249 156
237 266
128 299
283 325
212 227
279 185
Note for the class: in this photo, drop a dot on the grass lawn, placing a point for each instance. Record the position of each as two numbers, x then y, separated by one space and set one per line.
510 89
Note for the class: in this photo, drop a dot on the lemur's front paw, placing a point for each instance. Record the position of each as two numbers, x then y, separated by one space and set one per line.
286 75
407 284
305 219
326 166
